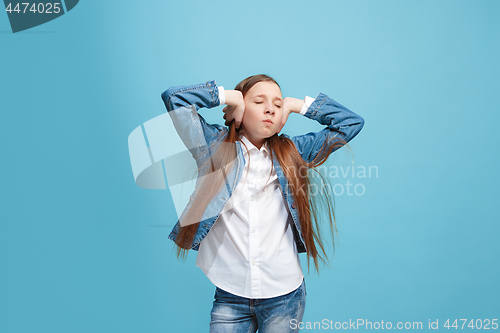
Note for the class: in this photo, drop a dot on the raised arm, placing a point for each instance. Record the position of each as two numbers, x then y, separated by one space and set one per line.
183 103
340 123
203 95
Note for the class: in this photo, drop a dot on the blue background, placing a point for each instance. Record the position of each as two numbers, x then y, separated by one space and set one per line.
84 249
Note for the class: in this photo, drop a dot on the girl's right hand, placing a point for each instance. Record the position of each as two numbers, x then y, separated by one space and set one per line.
290 105
235 107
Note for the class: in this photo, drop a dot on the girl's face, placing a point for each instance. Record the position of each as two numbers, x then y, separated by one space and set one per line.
263 112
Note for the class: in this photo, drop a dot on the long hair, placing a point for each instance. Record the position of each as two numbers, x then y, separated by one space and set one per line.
297 171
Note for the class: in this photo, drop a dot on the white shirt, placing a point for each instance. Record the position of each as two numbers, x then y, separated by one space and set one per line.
250 250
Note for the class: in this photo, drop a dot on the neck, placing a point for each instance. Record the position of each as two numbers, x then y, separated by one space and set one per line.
258 143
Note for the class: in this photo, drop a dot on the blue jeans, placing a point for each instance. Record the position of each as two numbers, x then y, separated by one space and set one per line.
235 314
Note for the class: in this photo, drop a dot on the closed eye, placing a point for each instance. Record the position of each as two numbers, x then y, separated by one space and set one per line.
278 106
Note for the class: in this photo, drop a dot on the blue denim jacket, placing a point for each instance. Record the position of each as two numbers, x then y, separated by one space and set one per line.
202 137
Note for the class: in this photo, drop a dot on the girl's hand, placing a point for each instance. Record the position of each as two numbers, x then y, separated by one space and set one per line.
235 108
290 105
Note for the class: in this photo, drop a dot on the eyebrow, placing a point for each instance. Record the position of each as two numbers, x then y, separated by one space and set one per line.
263 95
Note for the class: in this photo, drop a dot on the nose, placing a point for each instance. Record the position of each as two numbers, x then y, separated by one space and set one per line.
270 108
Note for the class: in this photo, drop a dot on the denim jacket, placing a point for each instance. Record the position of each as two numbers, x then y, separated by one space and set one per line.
202 138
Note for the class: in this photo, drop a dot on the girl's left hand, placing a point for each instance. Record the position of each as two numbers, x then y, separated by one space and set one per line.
235 108
290 105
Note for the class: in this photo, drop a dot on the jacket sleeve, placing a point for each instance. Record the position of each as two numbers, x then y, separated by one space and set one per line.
183 103
340 122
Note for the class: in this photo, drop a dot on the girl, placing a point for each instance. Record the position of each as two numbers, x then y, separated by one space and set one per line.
252 213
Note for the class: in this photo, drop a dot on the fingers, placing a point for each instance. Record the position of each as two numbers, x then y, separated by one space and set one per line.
227 114
238 117
233 113
284 118
279 130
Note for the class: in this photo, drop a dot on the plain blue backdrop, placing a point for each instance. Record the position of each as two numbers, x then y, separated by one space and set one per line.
84 249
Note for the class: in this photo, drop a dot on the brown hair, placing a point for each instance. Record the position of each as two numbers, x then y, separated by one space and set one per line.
308 206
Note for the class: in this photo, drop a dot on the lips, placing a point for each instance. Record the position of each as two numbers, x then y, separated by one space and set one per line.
268 121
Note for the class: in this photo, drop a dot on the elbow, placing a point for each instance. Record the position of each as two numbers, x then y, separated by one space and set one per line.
167 95
164 95
361 123
354 128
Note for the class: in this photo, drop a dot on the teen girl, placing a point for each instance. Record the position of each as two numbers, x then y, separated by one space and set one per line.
252 213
